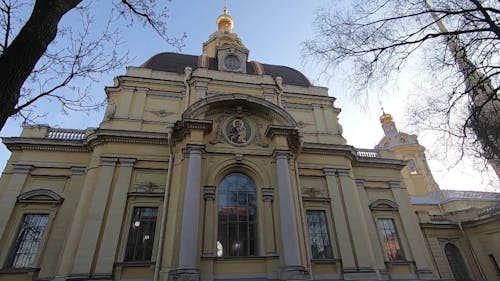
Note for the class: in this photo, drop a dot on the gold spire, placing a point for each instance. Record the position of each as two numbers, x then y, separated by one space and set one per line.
225 21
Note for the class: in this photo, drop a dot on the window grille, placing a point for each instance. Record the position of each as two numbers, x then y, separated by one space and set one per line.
237 214
390 239
28 240
319 238
141 234
457 263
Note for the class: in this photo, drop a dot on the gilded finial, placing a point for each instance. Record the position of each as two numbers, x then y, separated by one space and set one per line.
225 22
385 118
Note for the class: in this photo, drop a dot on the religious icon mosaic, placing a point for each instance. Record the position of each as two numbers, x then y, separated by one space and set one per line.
238 131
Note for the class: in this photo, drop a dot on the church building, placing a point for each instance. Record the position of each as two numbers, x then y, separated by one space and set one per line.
216 167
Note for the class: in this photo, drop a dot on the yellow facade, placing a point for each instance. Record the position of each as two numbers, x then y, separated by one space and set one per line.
214 167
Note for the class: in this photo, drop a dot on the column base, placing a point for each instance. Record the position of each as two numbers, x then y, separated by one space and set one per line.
360 274
425 274
293 273
185 274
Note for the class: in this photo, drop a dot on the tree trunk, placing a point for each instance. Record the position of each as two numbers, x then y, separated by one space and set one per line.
20 57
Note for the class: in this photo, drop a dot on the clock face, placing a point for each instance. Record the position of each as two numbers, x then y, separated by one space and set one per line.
232 62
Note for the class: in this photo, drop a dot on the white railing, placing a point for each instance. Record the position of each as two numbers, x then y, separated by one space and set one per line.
65 134
368 153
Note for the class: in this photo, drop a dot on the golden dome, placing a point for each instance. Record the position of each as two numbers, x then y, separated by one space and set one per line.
225 22
385 118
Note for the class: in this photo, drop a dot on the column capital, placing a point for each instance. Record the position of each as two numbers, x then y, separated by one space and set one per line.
194 149
108 161
329 171
394 184
267 194
78 171
22 169
360 182
209 192
282 154
127 162
343 172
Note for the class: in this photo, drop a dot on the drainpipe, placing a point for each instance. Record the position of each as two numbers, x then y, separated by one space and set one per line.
187 75
159 252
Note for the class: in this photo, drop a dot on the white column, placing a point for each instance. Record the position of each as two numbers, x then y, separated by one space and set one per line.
188 250
293 268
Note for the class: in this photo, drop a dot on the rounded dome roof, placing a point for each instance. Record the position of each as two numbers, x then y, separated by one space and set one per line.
175 62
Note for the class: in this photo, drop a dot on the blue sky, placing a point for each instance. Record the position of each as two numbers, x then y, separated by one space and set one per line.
273 32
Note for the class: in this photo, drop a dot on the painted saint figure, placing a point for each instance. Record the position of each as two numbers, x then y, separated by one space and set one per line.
238 133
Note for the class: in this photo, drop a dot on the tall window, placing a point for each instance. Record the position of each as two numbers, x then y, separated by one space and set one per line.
321 247
456 262
237 211
141 235
390 239
28 240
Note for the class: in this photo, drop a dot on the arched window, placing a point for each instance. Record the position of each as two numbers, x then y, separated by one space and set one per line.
456 262
237 210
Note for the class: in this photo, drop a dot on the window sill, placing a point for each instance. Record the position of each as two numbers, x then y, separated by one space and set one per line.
19 270
240 258
325 261
399 262
135 263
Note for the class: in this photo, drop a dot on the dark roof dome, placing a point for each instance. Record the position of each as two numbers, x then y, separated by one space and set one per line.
174 62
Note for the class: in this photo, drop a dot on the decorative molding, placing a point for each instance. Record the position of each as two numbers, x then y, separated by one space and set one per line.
384 205
40 196
200 106
147 187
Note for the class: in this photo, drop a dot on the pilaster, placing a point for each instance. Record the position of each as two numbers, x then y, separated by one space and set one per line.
209 222
269 234
359 232
412 231
341 226
19 175
378 258
113 224
95 216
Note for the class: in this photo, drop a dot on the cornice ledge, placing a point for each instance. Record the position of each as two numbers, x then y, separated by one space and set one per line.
44 144
381 162
330 149
123 136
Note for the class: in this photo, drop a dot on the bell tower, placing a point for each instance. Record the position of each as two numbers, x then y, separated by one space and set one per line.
417 175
